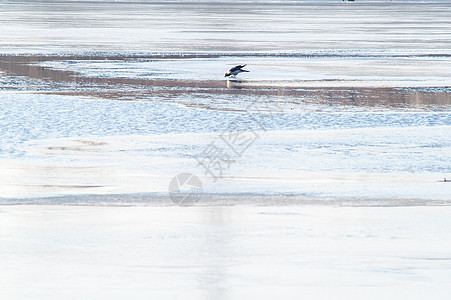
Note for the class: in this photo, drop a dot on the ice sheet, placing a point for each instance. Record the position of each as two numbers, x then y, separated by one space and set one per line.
97 148
342 194
361 92
191 26
54 252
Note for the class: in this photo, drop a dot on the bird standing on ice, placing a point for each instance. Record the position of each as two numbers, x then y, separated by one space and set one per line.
235 71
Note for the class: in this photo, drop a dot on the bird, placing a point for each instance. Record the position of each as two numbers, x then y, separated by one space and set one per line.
235 71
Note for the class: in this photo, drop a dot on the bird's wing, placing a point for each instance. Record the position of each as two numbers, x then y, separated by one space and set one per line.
236 68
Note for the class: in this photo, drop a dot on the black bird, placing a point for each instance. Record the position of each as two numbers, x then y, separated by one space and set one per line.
235 71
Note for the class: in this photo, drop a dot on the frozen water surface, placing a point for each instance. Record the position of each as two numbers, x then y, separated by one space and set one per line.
224 252
102 103
350 101
77 146
184 26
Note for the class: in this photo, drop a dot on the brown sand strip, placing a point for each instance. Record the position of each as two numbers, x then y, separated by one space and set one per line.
72 83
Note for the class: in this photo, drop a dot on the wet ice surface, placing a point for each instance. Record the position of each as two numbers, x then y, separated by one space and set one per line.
102 103
358 94
54 145
316 146
222 26
307 69
224 252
